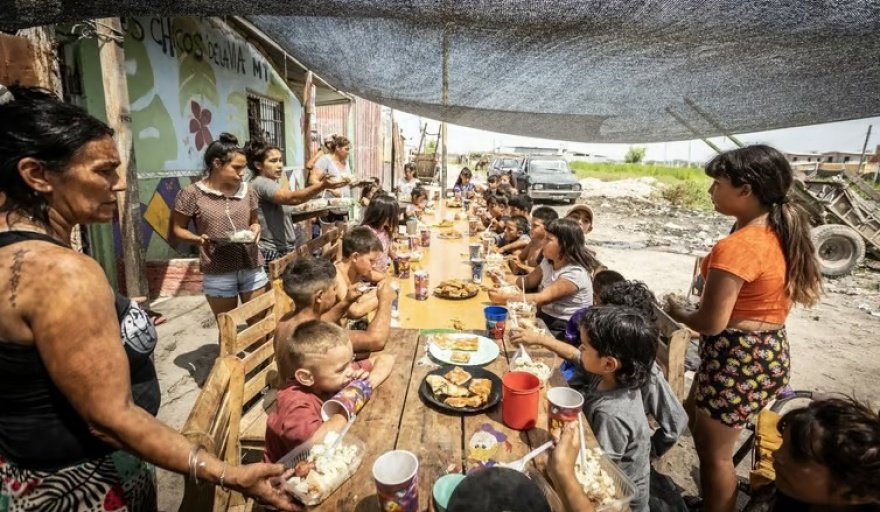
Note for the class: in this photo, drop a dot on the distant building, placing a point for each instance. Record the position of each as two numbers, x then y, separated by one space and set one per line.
578 156
531 150
831 157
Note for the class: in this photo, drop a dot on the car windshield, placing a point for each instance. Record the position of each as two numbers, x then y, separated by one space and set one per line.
508 163
548 166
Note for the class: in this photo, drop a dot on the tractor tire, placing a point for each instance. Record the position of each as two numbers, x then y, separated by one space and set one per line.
839 249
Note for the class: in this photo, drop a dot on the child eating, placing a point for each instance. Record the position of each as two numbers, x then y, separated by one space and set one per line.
515 236
311 285
618 346
319 356
360 250
531 255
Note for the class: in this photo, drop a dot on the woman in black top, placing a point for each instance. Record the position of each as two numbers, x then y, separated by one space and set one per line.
77 430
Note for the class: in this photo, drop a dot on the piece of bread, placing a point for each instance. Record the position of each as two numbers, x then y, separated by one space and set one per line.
469 344
470 401
460 357
442 387
481 388
457 376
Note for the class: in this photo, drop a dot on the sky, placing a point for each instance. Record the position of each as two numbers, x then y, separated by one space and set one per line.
839 136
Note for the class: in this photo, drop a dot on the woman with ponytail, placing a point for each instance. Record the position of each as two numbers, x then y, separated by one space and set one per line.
752 278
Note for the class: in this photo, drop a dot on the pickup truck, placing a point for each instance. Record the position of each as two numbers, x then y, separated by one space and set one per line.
547 177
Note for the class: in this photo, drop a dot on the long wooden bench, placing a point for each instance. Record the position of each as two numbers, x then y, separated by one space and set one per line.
214 424
254 348
254 345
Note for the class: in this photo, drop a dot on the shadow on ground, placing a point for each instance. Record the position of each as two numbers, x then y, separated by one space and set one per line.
199 362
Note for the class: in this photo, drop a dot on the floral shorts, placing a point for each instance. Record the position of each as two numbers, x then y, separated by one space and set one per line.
740 372
118 482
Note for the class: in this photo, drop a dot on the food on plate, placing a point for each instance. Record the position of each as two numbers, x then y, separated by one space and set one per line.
450 235
536 368
450 389
468 344
453 203
324 470
481 388
457 376
445 223
469 401
460 357
442 387
597 483
456 288
242 236
443 341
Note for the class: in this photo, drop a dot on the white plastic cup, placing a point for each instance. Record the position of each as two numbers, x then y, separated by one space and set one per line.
396 474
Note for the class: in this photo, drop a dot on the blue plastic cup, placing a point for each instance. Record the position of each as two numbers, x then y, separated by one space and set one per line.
496 316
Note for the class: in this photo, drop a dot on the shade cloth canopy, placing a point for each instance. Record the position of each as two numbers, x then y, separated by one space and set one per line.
580 70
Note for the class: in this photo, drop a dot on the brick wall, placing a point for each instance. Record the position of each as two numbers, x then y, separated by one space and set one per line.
170 278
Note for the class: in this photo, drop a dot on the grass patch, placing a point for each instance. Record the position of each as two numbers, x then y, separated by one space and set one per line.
685 186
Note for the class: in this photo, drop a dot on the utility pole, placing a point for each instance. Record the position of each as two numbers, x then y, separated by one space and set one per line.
862 157
444 130
112 58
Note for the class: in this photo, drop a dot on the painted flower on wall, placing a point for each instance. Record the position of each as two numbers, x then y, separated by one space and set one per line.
198 125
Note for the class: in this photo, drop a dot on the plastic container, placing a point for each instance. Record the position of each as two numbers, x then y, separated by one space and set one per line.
496 316
316 487
624 489
520 394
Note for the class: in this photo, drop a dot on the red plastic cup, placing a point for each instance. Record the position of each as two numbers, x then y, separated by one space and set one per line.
520 393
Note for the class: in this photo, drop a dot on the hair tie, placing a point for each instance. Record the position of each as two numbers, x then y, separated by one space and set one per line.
784 200
5 95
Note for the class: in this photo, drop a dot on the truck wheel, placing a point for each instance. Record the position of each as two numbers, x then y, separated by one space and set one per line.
839 248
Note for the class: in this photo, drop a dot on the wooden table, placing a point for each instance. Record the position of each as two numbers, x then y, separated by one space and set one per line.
444 259
396 418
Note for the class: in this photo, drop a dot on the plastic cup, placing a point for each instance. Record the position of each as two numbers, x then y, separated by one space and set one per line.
403 266
564 405
477 270
496 316
396 474
520 392
349 401
412 226
443 489
474 251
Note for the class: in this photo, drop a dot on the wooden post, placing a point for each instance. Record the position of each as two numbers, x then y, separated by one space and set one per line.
112 60
308 123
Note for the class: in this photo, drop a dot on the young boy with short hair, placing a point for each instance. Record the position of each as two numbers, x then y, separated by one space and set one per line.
618 346
515 236
319 357
496 208
360 250
521 204
612 290
311 285
583 215
530 256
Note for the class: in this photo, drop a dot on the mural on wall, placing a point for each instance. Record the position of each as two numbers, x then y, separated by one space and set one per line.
188 81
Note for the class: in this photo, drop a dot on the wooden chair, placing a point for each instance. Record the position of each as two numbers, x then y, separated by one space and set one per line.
254 348
671 350
214 424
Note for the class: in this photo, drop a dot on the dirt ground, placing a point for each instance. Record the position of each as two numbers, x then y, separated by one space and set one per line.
638 236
